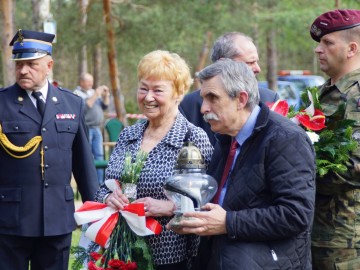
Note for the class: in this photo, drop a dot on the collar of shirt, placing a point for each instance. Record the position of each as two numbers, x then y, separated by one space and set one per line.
248 127
44 91
343 85
348 81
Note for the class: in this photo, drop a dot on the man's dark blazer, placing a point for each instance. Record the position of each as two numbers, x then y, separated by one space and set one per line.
191 104
30 205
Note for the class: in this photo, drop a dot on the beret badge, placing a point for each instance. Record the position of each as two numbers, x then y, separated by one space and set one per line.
315 30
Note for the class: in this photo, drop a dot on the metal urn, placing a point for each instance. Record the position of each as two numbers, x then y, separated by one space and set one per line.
190 187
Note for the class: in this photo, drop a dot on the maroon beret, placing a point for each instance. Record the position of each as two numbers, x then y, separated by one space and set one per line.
334 20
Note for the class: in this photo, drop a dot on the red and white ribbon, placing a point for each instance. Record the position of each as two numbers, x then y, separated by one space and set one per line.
104 219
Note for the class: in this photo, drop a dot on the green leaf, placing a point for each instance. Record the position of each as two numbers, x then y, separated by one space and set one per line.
335 143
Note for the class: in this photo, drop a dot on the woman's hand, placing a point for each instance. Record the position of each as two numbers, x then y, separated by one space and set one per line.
157 208
117 199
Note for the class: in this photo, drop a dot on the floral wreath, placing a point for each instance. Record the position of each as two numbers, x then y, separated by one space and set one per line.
332 139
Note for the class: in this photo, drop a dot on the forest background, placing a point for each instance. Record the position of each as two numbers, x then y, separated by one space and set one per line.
280 29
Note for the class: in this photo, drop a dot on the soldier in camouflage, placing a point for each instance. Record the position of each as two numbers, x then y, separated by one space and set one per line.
336 228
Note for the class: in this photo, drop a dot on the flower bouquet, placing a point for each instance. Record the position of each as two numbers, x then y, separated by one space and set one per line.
332 138
116 235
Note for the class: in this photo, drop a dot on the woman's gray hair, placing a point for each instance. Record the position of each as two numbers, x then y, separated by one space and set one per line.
235 77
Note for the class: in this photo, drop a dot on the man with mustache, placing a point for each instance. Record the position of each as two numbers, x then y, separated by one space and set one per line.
236 46
336 229
43 141
262 214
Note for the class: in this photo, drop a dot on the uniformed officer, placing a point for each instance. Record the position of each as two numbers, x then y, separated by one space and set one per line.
336 228
43 140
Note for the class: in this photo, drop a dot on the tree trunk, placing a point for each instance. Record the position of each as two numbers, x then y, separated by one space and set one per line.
255 25
97 65
337 4
202 58
41 12
271 59
113 69
83 54
7 33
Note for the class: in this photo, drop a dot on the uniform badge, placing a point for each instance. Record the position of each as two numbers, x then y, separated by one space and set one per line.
66 116
20 37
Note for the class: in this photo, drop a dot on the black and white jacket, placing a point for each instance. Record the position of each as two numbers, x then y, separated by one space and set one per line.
168 247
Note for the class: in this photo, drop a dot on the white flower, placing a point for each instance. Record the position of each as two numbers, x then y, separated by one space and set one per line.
313 136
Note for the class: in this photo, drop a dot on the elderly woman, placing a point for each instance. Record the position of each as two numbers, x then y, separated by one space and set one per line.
164 78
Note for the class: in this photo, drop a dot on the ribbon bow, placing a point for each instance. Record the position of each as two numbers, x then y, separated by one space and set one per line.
104 220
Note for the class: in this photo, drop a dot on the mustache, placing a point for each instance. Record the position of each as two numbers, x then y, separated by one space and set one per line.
210 116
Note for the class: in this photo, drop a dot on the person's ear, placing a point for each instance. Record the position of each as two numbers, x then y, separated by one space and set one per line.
242 100
353 49
50 64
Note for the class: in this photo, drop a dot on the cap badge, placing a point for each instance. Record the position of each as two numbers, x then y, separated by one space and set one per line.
20 37
315 30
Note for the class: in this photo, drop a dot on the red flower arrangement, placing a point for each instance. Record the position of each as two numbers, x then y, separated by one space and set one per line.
117 235
332 139
310 118
113 264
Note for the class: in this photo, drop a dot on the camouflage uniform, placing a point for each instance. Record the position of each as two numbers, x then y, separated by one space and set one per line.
336 228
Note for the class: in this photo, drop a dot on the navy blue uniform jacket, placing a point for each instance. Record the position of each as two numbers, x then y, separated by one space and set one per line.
30 206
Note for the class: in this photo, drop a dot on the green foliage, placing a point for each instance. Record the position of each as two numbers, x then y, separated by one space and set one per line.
180 26
334 146
142 255
81 255
132 170
314 92
335 143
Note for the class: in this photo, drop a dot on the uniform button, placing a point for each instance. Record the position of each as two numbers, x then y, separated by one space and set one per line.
45 147
16 128
69 128
46 166
2 197
43 129
46 185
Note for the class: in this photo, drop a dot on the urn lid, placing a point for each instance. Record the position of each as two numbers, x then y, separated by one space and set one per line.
190 158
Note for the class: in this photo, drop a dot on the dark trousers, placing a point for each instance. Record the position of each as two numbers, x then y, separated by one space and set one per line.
40 253
174 266
201 261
